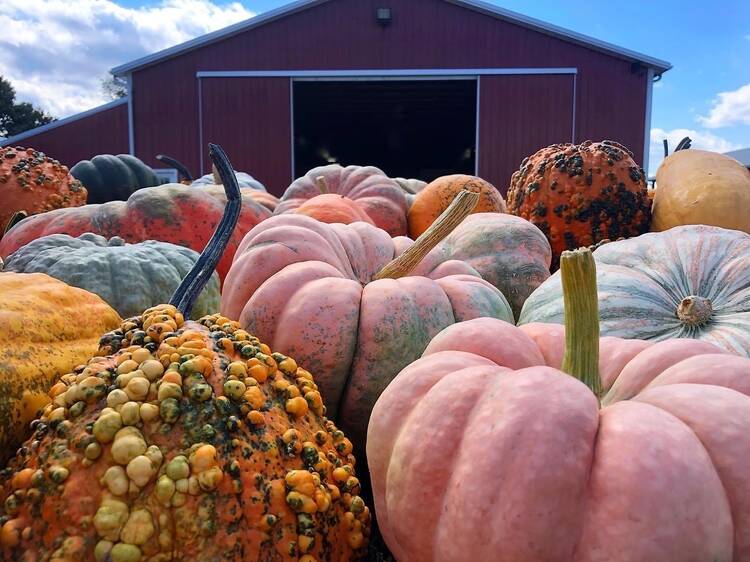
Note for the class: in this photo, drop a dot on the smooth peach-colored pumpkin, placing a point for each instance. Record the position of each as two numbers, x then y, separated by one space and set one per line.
333 208
501 457
375 193
309 290
435 197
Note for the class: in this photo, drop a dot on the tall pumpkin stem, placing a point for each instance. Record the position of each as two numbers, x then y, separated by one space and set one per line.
322 185
196 279
580 297
461 206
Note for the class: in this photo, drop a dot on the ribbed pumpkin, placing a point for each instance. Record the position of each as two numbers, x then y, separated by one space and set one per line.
508 251
34 183
174 213
579 195
331 296
184 441
333 208
701 187
376 194
435 197
46 329
113 178
411 188
686 282
500 455
129 277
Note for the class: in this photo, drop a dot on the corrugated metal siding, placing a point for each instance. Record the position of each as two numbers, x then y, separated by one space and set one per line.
251 119
343 34
520 115
105 132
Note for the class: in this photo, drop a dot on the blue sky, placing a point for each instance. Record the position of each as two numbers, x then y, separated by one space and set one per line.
55 52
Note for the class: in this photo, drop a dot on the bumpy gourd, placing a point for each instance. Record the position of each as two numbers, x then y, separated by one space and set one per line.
686 282
46 329
185 441
129 277
579 195
34 183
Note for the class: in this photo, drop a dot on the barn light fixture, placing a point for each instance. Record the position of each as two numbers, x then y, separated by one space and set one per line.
383 15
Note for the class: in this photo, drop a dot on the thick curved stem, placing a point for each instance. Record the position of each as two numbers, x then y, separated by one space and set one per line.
581 359
461 206
196 279
179 166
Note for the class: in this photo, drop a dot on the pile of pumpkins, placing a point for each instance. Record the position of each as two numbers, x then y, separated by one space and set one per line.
207 372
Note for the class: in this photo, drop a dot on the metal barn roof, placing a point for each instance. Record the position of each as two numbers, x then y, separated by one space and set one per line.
658 65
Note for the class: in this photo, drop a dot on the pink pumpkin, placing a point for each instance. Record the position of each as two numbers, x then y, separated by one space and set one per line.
309 289
373 192
484 450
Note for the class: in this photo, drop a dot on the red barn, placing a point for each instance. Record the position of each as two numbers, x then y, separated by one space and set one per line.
419 88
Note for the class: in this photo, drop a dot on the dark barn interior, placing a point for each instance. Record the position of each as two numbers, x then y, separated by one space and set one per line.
409 128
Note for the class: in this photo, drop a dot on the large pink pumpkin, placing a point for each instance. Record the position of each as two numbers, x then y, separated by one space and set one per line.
484 450
374 193
307 287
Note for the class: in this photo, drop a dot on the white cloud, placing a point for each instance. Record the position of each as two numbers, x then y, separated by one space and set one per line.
55 52
729 108
700 139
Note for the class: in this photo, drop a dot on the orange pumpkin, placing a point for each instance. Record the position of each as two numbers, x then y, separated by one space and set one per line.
435 197
34 183
579 195
184 441
333 208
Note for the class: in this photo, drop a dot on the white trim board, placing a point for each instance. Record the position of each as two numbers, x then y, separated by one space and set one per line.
380 74
475 5
61 122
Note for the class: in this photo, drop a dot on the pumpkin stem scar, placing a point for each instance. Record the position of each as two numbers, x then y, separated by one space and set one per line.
695 311
461 206
581 300
196 279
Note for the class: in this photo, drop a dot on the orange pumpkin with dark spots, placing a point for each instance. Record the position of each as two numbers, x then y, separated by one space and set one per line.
435 197
579 195
32 182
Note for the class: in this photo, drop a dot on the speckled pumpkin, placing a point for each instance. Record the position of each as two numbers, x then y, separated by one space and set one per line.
508 251
504 456
310 290
184 441
129 277
376 194
435 197
46 329
686 282
32 182
579 195
168 213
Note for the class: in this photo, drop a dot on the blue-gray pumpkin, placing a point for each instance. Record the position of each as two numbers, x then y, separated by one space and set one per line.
243 179
113 178
129 277
686 282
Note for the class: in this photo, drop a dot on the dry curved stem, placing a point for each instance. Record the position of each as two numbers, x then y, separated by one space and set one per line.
461 206
322 184
17 217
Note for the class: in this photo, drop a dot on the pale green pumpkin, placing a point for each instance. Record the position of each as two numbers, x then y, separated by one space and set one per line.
129 277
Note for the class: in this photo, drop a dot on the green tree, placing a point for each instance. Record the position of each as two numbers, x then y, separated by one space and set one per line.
114 87
15 117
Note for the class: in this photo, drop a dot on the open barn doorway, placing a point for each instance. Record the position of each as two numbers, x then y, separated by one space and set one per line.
408 128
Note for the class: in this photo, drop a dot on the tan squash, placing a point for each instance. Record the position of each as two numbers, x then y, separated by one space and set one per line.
701 187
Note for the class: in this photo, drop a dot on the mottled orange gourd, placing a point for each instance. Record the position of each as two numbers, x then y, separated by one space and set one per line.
436 196
46 329
32 182
579 195
183 441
